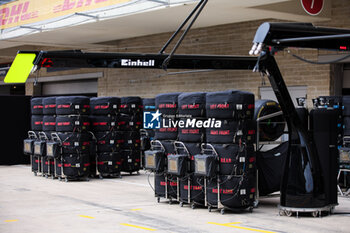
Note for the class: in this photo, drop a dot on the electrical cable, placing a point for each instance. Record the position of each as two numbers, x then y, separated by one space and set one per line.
321 63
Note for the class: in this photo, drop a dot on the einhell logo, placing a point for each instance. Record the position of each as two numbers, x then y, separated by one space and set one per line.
129 62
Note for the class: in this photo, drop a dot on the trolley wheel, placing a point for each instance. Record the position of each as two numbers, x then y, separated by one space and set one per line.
193 206
100 176
288 213
170 202
209 208
250 209
314 214
59 179
222 211
52 177
158 199
281 213
87 179
256 203
66 179
181 204
331 211
46 176
35 173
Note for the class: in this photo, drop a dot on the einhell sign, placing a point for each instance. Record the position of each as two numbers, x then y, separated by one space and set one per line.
23 12
312 7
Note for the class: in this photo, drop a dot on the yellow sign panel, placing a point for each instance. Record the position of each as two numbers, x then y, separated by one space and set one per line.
20 68
23 12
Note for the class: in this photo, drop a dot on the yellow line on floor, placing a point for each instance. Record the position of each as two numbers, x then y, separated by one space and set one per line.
12 220
238 227
84 216
135 209
143 228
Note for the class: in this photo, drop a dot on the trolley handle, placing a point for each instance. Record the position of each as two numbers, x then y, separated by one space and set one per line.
32 135
94 137
180 145
43 136
346 140
143 132
156 144
206 147
55 138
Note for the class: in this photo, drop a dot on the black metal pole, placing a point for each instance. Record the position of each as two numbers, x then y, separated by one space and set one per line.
302 177
167 60
181 26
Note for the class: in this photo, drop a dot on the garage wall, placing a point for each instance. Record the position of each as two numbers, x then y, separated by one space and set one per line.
232 39
225 39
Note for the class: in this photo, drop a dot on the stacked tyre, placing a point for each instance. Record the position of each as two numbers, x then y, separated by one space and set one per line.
130 124
191 107
167 105
48 127
72 125
36 127
232 142
104 125
165 186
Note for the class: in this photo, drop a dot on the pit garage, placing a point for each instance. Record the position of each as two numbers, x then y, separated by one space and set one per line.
133 116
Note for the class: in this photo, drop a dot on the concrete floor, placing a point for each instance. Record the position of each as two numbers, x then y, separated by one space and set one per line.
35 204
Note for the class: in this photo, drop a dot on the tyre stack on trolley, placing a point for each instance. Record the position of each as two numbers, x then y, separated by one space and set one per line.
214 165
165 185
234 186
61 145
33 135
130 124
49 127
104 126
72 125
190 138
